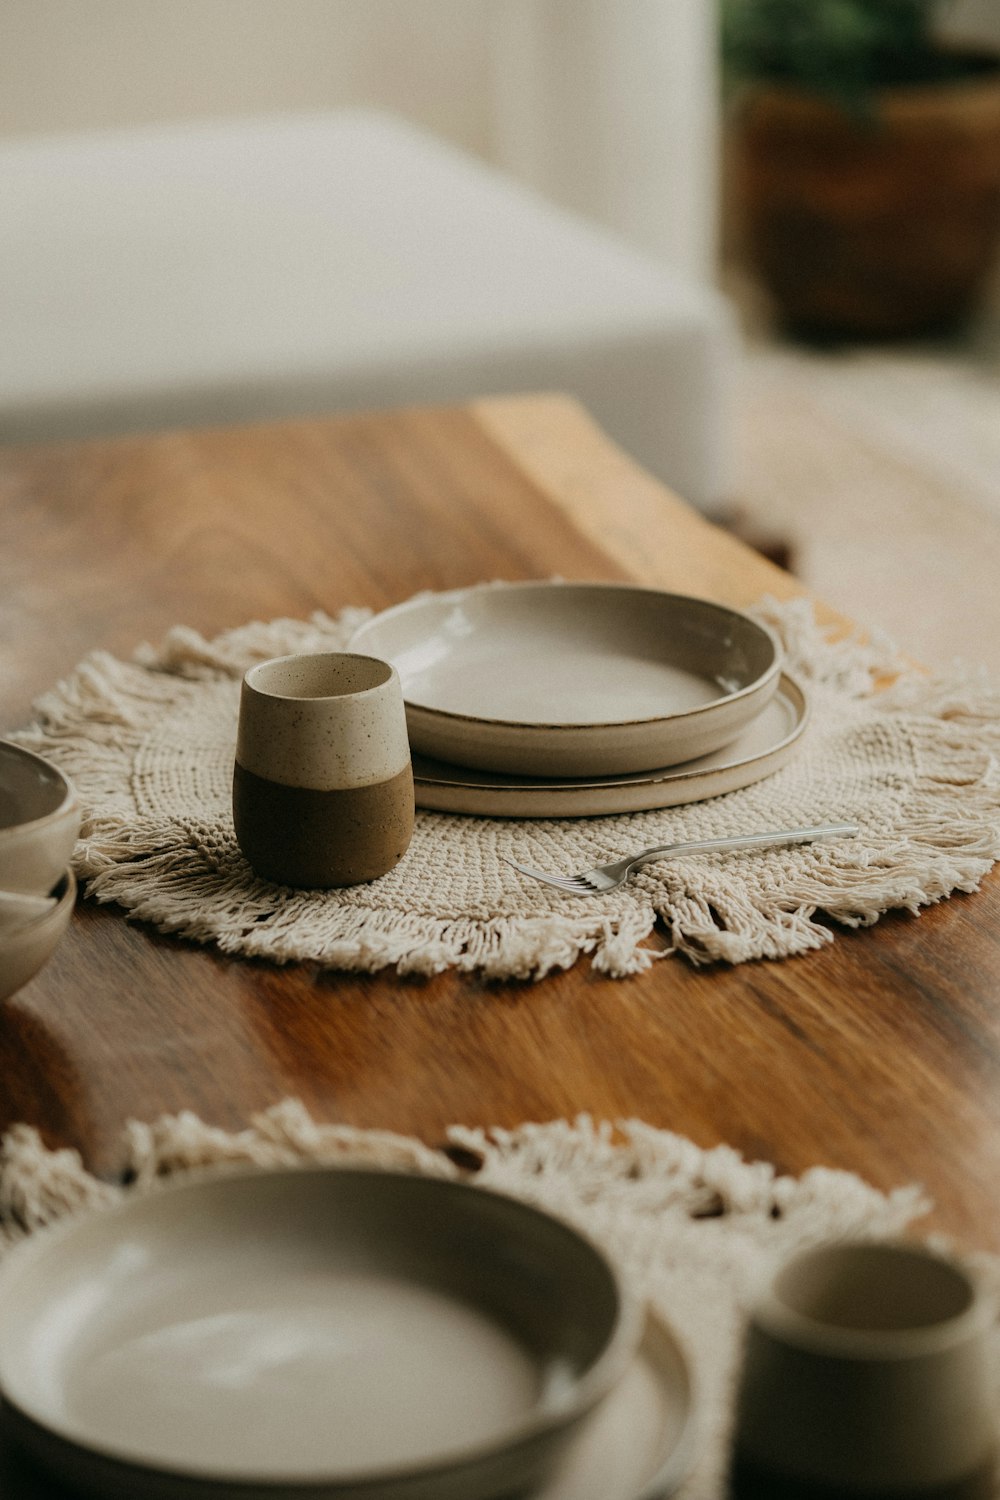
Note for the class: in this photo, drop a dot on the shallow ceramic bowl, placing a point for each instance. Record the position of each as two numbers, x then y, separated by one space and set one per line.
349 1334
25 948
39 821
573 679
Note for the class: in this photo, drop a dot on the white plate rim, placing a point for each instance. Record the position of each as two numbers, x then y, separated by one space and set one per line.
432 715
667 787
662 1353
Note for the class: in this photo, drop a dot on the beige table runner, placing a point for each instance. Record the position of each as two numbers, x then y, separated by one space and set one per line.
150 745
692 1230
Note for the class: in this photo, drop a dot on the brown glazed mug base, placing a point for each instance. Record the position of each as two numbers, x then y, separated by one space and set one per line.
749 1481
301 837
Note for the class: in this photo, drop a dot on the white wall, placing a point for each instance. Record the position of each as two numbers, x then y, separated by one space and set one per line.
76 64
607 106
610 107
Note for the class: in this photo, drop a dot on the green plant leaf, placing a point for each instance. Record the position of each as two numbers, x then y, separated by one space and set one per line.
844 50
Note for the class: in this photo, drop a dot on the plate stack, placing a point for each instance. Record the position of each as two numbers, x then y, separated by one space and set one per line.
333 1333
565 699
39 823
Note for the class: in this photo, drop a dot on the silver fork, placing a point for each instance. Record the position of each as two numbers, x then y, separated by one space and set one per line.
609 877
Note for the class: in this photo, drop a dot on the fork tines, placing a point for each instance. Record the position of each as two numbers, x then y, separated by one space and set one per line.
574 885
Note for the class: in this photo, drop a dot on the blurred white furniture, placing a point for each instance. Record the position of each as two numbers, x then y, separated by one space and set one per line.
212 272
612 109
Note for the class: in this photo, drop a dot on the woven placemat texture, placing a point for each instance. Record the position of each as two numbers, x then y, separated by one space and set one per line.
150 743
693 1231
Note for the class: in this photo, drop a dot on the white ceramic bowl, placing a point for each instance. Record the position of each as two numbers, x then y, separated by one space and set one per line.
39 821
573 679
331 1332
26 947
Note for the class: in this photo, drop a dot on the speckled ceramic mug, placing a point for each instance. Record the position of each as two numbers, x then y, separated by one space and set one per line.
322 787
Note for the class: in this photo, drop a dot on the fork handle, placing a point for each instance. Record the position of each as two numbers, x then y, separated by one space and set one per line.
752 841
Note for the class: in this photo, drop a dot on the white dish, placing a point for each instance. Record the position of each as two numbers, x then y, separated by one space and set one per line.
40 817
330 1332
760 750
573 679
639 1444
26 948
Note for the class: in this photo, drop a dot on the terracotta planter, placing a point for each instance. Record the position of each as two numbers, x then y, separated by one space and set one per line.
873 230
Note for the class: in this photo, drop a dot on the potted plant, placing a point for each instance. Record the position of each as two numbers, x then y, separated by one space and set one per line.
866 162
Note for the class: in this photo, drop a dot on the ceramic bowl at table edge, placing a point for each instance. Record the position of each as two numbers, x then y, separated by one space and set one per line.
597 1306
25 949
545 746
40 817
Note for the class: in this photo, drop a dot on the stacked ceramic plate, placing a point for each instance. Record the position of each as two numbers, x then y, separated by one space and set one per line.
562 699
333 1334
39 823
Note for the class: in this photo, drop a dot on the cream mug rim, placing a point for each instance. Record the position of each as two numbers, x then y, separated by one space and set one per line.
822 1339
337 697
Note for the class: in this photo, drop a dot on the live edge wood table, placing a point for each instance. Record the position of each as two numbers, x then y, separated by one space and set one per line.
880 1054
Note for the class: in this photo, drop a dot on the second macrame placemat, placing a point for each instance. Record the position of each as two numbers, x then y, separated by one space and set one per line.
150 742
693 1231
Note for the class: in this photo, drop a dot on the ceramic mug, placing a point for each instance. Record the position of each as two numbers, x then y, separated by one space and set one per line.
866 1373
322 786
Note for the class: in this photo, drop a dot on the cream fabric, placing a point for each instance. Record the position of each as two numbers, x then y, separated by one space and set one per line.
693 1231
149 743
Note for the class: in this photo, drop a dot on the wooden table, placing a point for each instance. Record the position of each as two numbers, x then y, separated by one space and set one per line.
880 1054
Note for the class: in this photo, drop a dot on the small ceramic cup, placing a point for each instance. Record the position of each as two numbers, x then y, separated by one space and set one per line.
322 786
866 1373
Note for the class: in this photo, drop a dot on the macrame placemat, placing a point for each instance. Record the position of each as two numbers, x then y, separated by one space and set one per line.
150 742
693 1231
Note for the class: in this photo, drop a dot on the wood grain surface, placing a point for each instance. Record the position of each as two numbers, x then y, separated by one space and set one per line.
880 1054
